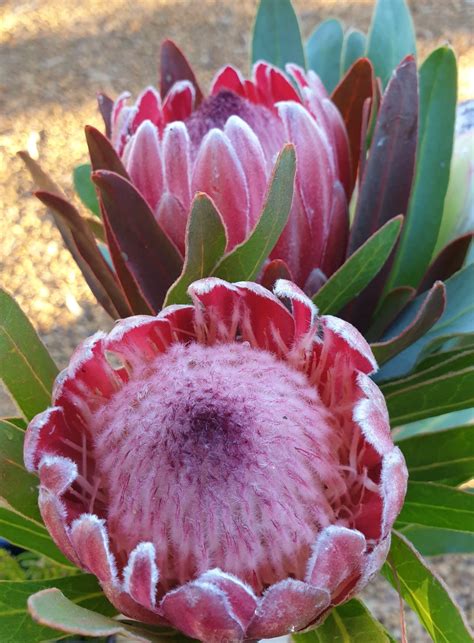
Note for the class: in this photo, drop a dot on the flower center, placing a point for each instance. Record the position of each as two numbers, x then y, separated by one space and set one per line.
215 111
222 456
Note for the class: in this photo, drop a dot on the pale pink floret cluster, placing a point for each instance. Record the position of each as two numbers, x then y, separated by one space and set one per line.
227 145
225 467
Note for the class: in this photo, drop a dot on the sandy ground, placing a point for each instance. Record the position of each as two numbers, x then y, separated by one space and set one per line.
55 55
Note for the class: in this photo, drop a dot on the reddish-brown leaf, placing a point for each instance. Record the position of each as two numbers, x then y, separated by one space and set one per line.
388 175
430 311
85 242
389 309
449 261
44 182
276 269
174 67
150 256
349 97
103 156
106 106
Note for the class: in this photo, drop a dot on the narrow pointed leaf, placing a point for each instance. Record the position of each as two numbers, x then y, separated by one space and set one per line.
355 88
245 260
150 256
458 317
106 106
353 48
85 188
438 542
17 625
435 141
446 393
351 622
111 297
26 367
276 34
323 52
44 182
359 270
431 310
391 36
17 487
435 505
175 67
389 309
205 244
388 173
103 155
449 261
426 594
445 456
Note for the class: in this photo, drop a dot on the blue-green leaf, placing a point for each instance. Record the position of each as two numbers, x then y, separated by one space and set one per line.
353 47
438 92
323 52
458 318
391 37
276 34
436 542
85 188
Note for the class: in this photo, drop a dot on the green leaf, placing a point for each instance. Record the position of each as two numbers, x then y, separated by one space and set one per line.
26 368
353 47
348 623
323 52
445 456
434 425
205 244
17 486
451 392
26 533
438 92
458 317
19 422
435 505
436 542
441 617
85 188
245 260
15 622
359 270
276 34
391 37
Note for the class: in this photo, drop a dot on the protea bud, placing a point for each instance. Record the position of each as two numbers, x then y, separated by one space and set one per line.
224 467
226 144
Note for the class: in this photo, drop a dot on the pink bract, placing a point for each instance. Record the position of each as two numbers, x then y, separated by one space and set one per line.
224 467
226 145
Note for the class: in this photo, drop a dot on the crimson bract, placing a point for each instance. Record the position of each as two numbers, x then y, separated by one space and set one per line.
225 467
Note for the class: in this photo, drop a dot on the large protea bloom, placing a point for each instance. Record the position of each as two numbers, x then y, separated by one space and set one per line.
224 467
226 145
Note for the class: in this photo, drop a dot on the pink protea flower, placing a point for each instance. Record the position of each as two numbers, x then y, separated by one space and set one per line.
224 467
226 145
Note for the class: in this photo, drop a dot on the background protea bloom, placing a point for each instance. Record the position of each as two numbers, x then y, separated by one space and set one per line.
226 145
234 476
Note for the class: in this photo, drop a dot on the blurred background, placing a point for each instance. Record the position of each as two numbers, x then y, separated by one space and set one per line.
56 55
